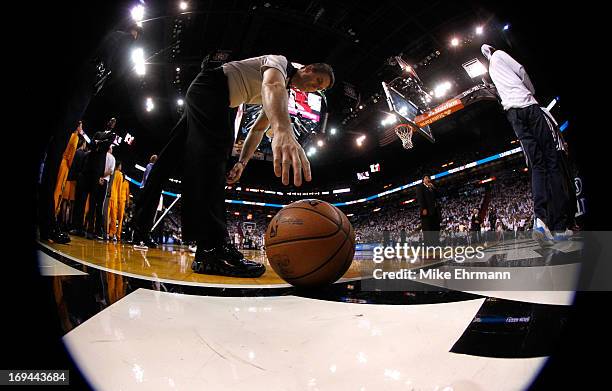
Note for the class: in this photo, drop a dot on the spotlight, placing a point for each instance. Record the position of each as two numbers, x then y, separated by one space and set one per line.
441 89
455 42
139 61
391 119
183 5
178 69
320 143
138 14
180 102
360 107
150 106
311 151
332 131
506 27
360 140
479 30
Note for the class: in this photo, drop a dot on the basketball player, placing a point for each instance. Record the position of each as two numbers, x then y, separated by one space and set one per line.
111 60
537 139
124 202
113 204
68 195
203 139
91 181
62 175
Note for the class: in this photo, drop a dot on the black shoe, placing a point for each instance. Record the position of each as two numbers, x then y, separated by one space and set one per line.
143 240
55 235
225 260
77 232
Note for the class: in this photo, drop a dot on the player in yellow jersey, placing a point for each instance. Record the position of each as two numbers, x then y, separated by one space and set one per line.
62 174
113 203
124 202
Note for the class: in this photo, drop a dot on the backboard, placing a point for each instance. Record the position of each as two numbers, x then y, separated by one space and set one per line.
406 110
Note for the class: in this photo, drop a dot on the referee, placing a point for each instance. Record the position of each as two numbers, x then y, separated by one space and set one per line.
203 140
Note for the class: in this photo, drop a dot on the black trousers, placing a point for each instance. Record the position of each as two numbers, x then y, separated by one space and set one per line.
202 140
431 229
87 185
82 92
549 196
95 217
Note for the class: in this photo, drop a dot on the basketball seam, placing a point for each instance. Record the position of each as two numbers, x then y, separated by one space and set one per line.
324 263
339 212
344 266
303 239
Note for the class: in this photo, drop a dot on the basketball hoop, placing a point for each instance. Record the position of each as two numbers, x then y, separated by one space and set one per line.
404 132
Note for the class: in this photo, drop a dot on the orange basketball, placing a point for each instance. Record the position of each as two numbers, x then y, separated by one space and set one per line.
310 243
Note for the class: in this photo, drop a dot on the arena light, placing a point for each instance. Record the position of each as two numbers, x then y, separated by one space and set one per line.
138 14
311 151
332 131
408 201
183 5
506 27
390 119
376 210
455 42
441 89
350 215
139 61
360 140
320 143
487 180
479 30
149 105
236 213
180 102
339 191
178 69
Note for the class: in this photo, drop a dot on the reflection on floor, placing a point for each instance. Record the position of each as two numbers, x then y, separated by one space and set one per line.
134 323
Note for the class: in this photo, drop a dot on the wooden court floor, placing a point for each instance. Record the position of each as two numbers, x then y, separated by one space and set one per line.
174 262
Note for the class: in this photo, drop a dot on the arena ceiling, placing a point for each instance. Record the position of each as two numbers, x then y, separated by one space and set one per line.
357 38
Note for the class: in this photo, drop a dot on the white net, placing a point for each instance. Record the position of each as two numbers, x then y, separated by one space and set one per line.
404 132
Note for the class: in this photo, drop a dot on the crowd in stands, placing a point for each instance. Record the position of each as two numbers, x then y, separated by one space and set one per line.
509 211
507 214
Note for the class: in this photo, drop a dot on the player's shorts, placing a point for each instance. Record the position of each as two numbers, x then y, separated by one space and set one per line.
69 190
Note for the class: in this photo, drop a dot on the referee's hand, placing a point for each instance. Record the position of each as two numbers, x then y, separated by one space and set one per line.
288 154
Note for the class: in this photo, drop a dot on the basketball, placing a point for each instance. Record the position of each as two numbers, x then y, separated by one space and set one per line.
310 243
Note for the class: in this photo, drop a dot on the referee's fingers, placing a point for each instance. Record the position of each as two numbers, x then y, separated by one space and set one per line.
297 168
277 156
